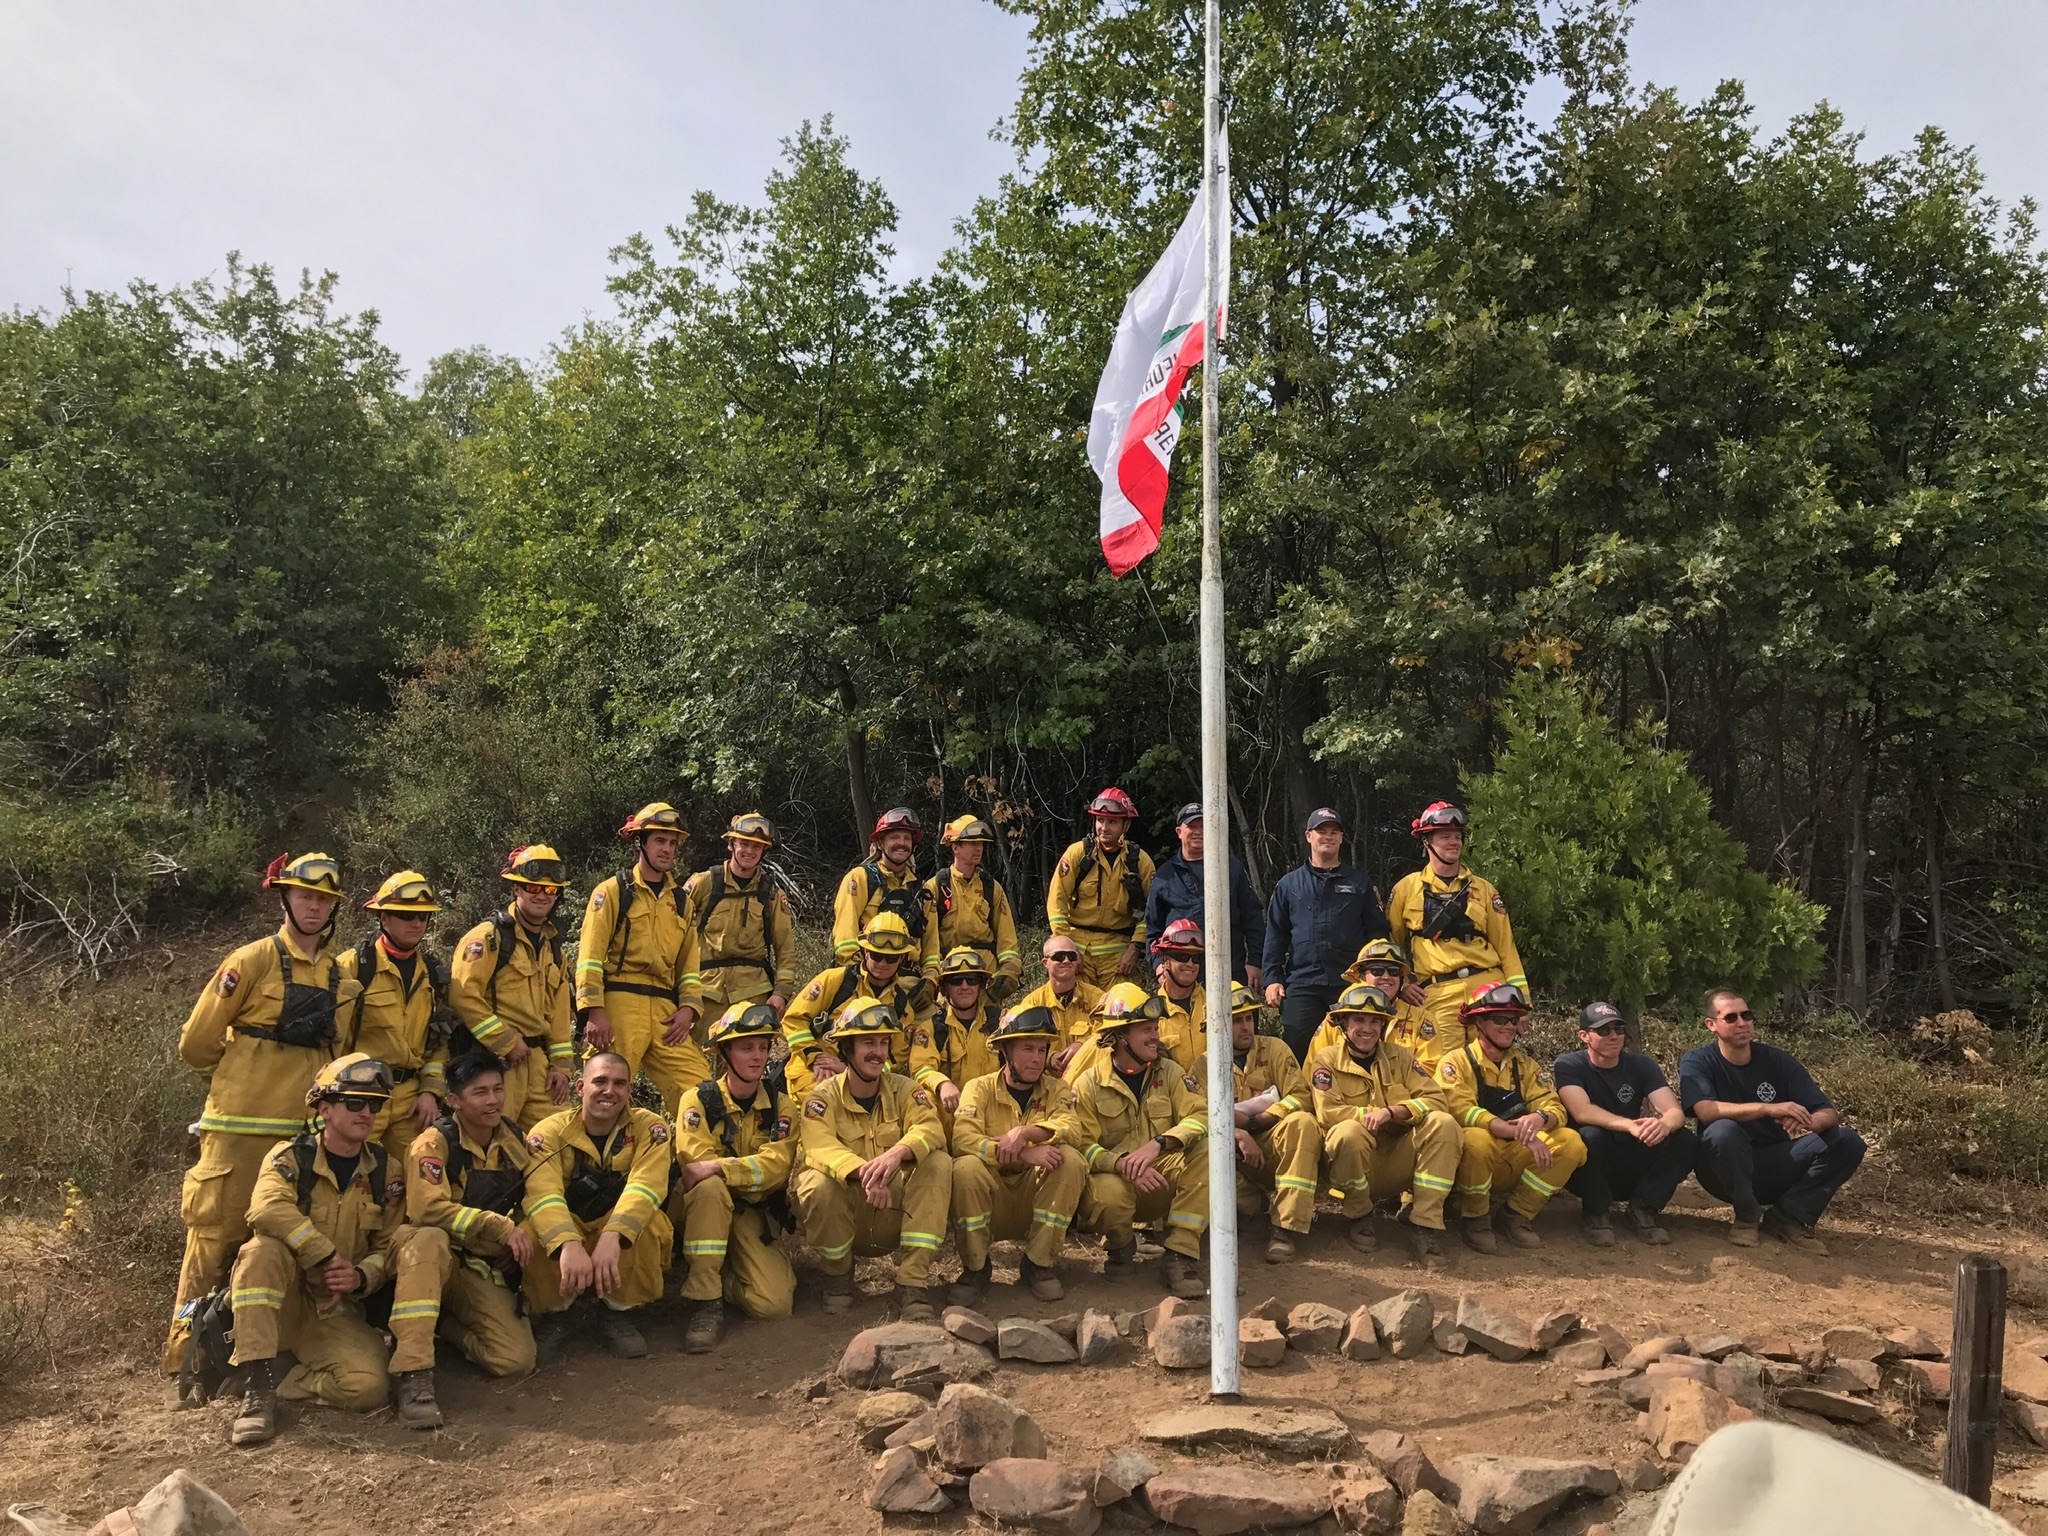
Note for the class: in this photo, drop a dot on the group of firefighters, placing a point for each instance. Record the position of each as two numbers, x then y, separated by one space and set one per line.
394 1144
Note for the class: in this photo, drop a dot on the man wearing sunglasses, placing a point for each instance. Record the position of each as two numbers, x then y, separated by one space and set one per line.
1771 1143
1637 1146
1071 1000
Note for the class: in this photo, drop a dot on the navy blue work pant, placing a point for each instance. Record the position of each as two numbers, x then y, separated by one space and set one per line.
1620 1168
1799 1177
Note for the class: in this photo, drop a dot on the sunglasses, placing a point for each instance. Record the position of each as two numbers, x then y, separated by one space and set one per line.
356 1103
1608 1029
1381 970
1745 1015
1065 957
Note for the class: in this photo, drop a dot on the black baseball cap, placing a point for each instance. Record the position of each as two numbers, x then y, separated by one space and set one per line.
1593 1015
1190 812
1323 816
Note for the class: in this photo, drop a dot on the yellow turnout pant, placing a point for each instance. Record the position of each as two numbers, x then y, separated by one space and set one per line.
465 1299
215 1207
731 1251
638 1024
1293 1150
526 1090
838 1221
394 1128
1442 1001
1101 953
1489 1163
1111 1203
1035 1204
342 1360
642 1264
1418 1159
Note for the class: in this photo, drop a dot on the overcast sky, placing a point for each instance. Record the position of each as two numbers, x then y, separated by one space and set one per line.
466 166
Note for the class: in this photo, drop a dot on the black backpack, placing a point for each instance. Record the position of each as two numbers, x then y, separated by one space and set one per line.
1448 915
764 892
622 883
494 1189
907 902
1134 888
303 1146
773 1085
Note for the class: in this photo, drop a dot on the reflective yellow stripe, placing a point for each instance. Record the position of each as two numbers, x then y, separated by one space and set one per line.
245 1125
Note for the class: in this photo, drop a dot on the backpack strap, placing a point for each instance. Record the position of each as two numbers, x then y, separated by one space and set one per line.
849 982
305 1144
713 1100
622 933
714 893
507 929
457 1160
366 972
944 881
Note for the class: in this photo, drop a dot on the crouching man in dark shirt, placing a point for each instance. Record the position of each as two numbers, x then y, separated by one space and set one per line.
1771 1143
1637 1146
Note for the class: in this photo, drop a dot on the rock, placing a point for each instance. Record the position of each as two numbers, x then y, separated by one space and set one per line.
1641 1475
817 1391
1067 1325
2037 1346
1511 1495
1553 1328
1912 1344
1848 1376
1838 1406
1181 1343
1587 1354
1166 1311
929 1380
2027 1487
1429 1515
1654 1349
874 1355
913 1432
1742 1378
1287 1431
881 1414
1499 1332
1272 1309
1365 1501
1216 1501
180 1505
901 1486
1018 1338
1683 1412
1361 1340
1930 1376
1679 1365
1314 1328
967 1324
1403 1461
1449 1338
972 1427
2026 1376
1035 1495
1260 1344
1403 1322
1617 1342
1634 1389
1773 1347
1852 1344
2030 1418
1097 1338
1716 1346
1783 1373
1123 1470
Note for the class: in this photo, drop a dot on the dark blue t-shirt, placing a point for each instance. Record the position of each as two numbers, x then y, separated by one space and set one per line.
1623 1089
1770 1076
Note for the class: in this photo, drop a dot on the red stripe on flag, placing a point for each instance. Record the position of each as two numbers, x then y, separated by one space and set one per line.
1139 473
1129 544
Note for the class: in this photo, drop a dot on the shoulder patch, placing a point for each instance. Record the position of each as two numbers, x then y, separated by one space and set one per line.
1499 905
430 1169
597 899
814 1109
1066 866
692 1119
230 978
1323 1078
1448 1070
473 949
813 992
657 1133
781 1127
1427 1029
1543 1076
538 1142
921 1097
283 1163
1189 1083
924 1037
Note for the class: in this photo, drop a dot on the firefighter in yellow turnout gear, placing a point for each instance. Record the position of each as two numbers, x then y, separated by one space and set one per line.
325 1221
969 907
1383 964
885 882
459 1266
1454 926
637 979
1012 1176
737 1145
1184 1020
260 1032
510 986
1139 1124
958 1045
1070 1000
392 1018
875 972
1279 1147
594 1200
876 1174
1518 1137
1098 891
1386 1129
746 940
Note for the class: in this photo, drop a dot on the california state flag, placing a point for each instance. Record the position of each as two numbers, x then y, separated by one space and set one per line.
1137 419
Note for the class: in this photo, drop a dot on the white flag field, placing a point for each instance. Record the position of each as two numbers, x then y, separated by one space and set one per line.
1137 418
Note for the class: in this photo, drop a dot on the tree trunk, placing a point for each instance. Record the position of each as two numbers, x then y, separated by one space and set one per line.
859 798
1856 994
1253 866
1937 927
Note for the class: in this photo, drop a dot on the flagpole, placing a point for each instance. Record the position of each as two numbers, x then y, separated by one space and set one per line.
1223 1346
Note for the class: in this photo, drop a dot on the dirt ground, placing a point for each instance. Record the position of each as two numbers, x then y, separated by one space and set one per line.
732 1440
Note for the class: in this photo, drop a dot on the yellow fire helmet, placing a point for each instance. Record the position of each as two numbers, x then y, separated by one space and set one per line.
963 962
887 934
356 1075
1362 999
535 864
1124 1004
750 827
655 816
406 891
967 829
1033 1023
745 1021
864 1016
1378 952
1243 999
308 872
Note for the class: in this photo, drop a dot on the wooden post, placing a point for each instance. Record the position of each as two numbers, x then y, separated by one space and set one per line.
1977 1377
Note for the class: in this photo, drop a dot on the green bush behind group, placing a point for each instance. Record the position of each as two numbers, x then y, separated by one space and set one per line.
1672 494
